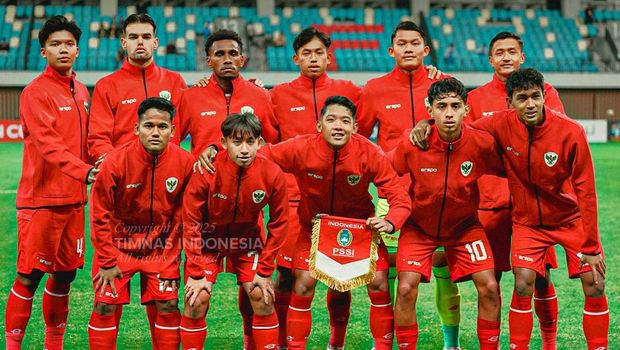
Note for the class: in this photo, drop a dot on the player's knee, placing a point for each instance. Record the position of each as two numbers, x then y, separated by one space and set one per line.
488 289
64 277
167 306
524 285
104 309
591 289
407 291
304 289
200 307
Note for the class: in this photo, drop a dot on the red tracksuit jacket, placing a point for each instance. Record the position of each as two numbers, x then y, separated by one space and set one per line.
54 117
550 171
116 98
226 206
336 182
203 109
297 106
443 179
136 205
494 193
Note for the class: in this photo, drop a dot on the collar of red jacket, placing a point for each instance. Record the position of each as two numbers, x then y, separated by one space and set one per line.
230 167
326 152
146 156
307 82
52 73
138 70
418 75
498 84
438 142
236 82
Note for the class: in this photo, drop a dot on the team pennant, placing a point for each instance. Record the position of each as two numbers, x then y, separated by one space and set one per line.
344 252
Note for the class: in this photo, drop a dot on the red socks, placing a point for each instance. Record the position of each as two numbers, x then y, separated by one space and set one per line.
265 330
520 321
281 305
596 322
339 308
488 334
299 322
102 331
151 315
55 311
17 314
245 309
407 336
546 306
193 332
382 319
166 332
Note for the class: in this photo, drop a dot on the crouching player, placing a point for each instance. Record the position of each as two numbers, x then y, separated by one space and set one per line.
221 219
444 213
333 170
135 218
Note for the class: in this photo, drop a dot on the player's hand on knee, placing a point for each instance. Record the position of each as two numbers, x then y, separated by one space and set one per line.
105 277
380 225
193 287
266 287
433 72
205 160
420 133
596 262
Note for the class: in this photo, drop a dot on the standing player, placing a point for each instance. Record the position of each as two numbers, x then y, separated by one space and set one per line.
117 96
296 106
395 102
505 56
323 165
223 218
444 196
135 218
52 190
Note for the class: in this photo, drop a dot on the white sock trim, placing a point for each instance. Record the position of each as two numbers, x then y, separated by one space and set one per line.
266 327
193 330
548 298
55 294
521 311
596 313
296 309
21 296
166 328
101 329
381 305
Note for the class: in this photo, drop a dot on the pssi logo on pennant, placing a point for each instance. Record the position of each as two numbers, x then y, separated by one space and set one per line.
344 237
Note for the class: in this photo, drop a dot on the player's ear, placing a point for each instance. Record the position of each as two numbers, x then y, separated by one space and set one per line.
136 128
223 142
43 53
354 126
319 126
466 110
77 54
427 50
296 59
155 43
391 51
243 58
329 57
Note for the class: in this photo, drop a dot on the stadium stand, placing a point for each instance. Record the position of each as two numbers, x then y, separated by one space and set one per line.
360 36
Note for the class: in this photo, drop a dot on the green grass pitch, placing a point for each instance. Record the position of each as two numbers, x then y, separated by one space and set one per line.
225 331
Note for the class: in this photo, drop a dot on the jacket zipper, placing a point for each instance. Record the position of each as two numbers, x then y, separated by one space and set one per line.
445 191
152 200
237 194
331 204
411 100
316 109
530 140
72 88
146 94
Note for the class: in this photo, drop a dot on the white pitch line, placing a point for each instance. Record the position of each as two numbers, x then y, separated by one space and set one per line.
8 191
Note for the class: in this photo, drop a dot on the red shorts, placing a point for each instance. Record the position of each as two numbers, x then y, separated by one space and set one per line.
466 254
498 226
302 258
287 252
242 264
150 285
50 240
531 246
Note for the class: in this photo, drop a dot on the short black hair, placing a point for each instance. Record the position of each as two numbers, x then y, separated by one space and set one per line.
158 103
408 25
306 36
502 36
242 124
56 24
447 87
341 101
523 79
138 18
222 34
